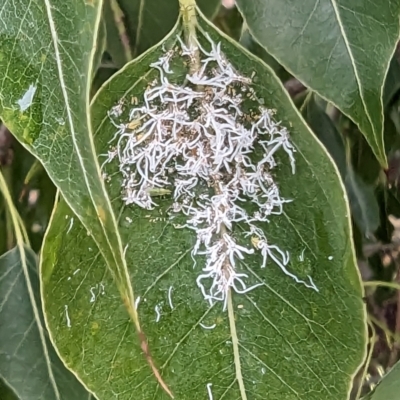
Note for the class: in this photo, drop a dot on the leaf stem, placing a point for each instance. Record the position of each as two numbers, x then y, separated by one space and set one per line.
119 23
188 12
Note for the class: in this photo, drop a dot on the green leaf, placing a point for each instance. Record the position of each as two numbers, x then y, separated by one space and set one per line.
140 24
282 338
46 61
388 388
340 49
28 366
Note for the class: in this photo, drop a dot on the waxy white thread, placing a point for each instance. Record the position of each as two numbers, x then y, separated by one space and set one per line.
301 256
158 314
210 395
137 301
93 298
208 327
70 224
67 316
196 141
170 298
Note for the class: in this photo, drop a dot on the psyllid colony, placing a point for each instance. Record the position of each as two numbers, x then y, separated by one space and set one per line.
197 139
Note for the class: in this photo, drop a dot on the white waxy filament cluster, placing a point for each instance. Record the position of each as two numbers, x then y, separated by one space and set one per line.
197 141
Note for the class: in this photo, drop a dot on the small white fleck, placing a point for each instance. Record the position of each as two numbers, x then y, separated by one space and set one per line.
128 219
301 256
67 317
36 228
66 217
76 271
26 100
208 327
157 310
263 370
60 121
33 197
330 258
93 298
169 298
137 301
69 278
102 288
125 249
70 224
90 249
210 396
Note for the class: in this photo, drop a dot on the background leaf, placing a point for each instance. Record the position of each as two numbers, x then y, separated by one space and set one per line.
338 48
392 83
100 47
291 340
247 41
388 388
6 392
23 364
363 202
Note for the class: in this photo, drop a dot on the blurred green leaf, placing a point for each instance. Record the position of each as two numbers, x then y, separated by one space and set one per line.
388 388
363 202
392 82
134 26
118 41
269 334
6 393
247 41
324 128
46 61
30 367
341 50
230 21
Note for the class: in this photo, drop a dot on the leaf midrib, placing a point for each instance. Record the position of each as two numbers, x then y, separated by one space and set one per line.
235 345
